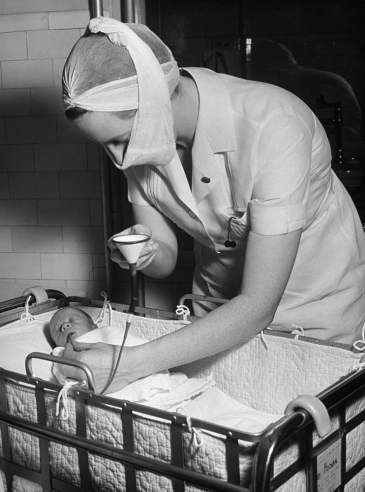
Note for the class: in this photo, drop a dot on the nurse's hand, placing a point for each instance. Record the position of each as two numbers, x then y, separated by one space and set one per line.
101 358
147 254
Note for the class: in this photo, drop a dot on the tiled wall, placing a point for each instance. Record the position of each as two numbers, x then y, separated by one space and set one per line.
51 225
51 230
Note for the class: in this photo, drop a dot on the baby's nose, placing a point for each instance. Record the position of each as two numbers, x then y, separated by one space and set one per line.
66 327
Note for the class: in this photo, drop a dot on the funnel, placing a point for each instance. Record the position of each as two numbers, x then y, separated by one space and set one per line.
131 245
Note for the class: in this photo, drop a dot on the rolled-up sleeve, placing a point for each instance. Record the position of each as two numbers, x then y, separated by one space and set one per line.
276 220
281 182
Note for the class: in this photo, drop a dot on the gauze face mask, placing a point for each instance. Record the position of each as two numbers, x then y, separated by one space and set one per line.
120 70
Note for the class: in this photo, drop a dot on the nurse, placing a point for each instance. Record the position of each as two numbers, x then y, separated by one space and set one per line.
244 168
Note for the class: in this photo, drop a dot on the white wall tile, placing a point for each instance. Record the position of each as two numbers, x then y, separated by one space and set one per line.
19 6
14 102
34 185
4 186
18 212
60 157
37 239
27 73
96 213
15 158
80 184
99 260
69 20
83 239
20 265
30 129
47 100
43 45
91 289
93 156
63 212
23 22
6 243
13 46
69 266
58 65
2 131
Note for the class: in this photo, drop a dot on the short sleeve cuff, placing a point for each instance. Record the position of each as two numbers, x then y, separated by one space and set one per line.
275 220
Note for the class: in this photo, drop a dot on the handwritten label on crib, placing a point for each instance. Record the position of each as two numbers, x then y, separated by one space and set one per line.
329 468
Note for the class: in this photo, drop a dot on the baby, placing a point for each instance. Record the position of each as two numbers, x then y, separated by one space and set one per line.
162 390
69 322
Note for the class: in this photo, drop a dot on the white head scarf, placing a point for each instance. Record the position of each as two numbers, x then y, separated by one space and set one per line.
152 139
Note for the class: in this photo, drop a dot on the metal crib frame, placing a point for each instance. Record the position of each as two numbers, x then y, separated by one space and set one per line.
298 427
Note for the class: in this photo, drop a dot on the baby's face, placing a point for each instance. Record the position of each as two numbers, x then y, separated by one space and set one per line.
69 322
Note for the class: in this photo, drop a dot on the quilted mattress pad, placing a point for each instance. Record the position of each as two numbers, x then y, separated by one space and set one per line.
265 373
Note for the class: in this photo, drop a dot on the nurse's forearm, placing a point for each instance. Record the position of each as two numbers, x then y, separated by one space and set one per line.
233 323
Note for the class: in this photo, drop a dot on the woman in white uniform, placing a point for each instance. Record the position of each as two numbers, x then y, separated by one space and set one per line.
243 167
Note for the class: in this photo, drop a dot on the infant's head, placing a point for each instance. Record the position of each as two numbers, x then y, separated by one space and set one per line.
69 321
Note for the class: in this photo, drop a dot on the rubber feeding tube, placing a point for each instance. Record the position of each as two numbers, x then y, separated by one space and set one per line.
130 246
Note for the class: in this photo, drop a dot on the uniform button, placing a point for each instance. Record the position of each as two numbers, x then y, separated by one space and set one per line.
191 213
205 180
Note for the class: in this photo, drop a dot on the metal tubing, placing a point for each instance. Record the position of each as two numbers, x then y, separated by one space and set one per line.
134 11
60 360
128 11
107 207
140 11
97 8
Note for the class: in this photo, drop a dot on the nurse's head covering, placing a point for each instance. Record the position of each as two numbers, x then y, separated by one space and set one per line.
119 67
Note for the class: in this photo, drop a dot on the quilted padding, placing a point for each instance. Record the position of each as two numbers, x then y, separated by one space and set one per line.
152 439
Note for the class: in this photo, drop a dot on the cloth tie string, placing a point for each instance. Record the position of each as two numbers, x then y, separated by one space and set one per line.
298 332
26 317
62 400
183 311
107 307
360 344
197 434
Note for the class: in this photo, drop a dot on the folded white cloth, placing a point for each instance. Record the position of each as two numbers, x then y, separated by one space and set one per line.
162 390
215 406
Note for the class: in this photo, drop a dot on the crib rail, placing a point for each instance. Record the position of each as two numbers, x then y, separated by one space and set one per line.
17 302
132 461
299 426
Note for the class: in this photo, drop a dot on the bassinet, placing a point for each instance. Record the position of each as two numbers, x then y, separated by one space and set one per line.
112 445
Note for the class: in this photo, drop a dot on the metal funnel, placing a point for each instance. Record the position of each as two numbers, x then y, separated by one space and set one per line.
131 245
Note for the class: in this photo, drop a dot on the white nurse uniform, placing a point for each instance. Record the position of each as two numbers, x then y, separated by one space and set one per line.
261 158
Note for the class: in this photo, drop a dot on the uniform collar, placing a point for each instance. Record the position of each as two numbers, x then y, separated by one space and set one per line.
215 109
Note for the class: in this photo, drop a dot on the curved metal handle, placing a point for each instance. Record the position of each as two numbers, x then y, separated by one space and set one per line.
198 297
316 409
60 360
